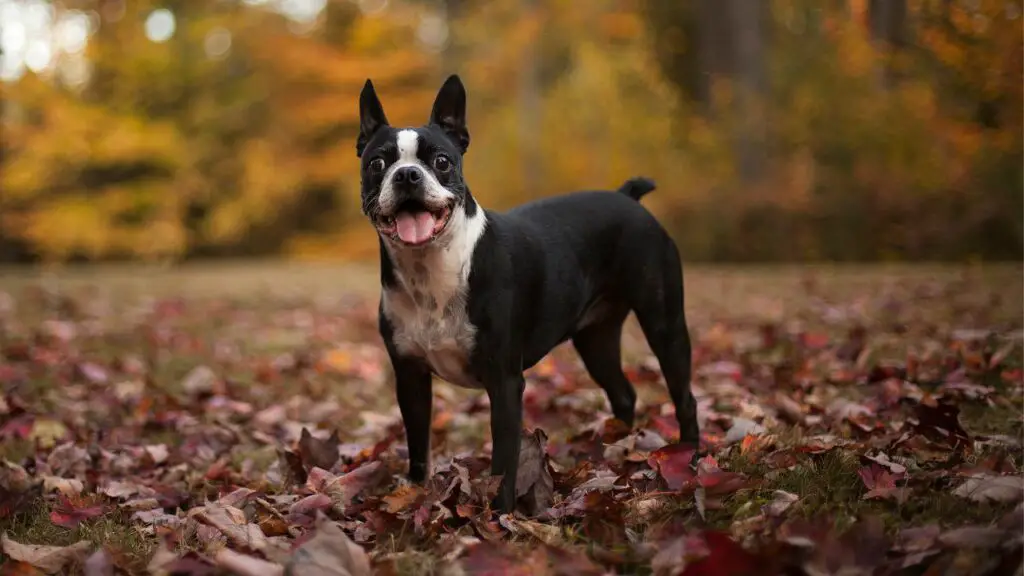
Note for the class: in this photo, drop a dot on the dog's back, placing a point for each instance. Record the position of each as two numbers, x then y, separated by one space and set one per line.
596 245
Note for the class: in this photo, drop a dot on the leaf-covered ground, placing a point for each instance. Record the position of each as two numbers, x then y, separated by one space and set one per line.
242 421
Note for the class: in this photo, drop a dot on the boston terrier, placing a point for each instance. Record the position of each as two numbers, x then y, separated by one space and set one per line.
476 296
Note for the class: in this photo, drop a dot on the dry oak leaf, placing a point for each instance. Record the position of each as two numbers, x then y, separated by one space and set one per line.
535 487
49 559
995 488
328 553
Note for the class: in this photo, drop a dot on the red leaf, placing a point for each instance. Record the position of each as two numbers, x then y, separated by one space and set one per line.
673 463
724 557
70 514
491 558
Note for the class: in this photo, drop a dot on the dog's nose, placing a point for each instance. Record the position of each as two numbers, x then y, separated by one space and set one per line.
408 174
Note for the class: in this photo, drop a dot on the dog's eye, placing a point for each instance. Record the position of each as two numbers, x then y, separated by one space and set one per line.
442 163
377 165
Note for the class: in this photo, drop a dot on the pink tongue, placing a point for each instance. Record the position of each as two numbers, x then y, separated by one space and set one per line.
415 228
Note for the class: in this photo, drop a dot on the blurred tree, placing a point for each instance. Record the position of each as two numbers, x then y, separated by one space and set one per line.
768 130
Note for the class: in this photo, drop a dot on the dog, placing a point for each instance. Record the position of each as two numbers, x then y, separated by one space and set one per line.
476 296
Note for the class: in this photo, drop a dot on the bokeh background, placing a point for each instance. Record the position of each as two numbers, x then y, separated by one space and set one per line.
781 130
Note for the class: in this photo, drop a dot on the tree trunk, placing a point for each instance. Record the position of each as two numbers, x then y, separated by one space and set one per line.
748 25
887 23
530 110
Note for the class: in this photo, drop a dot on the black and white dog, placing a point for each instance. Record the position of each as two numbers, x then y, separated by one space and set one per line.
477 297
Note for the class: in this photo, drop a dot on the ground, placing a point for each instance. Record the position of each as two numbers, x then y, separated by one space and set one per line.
240 419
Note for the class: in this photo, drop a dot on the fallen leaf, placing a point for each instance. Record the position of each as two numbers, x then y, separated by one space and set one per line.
495 558
99 564
317 453
328 553
534 484
403 497
673 463
675 556
974 537
47 432
69 513
992 488
66 486
741 428
232 523
201 380
49 559
880 483
781 501
244 565
342 489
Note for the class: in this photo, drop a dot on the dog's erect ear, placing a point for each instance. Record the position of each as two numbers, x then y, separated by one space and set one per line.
449 111
371 116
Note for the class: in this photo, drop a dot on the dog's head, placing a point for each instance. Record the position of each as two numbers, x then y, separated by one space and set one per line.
412 183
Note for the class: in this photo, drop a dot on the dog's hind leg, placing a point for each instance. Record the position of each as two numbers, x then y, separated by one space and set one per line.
600 347
663 320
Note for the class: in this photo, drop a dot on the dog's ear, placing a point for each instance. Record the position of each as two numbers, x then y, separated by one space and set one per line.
371 116
449 112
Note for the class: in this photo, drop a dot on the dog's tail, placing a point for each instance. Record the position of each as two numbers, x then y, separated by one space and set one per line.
637 188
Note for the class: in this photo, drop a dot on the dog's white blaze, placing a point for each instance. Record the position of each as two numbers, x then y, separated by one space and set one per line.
443 334
408 146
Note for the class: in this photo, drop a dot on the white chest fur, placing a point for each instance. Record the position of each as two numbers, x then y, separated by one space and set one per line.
427 307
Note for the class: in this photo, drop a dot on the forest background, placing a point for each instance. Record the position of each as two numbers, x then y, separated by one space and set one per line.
782 130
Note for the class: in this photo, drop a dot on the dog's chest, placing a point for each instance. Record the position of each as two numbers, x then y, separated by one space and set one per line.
427 312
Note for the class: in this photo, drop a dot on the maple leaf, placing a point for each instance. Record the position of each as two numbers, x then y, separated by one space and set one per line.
69 512
317 453
674 463
881 483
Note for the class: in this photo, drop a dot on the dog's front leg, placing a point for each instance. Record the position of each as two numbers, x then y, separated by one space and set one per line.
506 395
415 400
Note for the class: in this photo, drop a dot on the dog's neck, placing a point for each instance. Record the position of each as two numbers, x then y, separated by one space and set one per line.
441 268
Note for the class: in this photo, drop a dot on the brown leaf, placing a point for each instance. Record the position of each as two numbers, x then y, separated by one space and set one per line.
496 558
402 498
342 489
940 422
316 453
231 522
49 559
328 553
534 485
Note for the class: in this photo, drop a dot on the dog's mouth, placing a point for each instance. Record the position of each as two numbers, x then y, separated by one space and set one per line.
414 224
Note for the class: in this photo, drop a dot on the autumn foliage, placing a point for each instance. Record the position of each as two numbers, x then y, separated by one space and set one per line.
804 130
